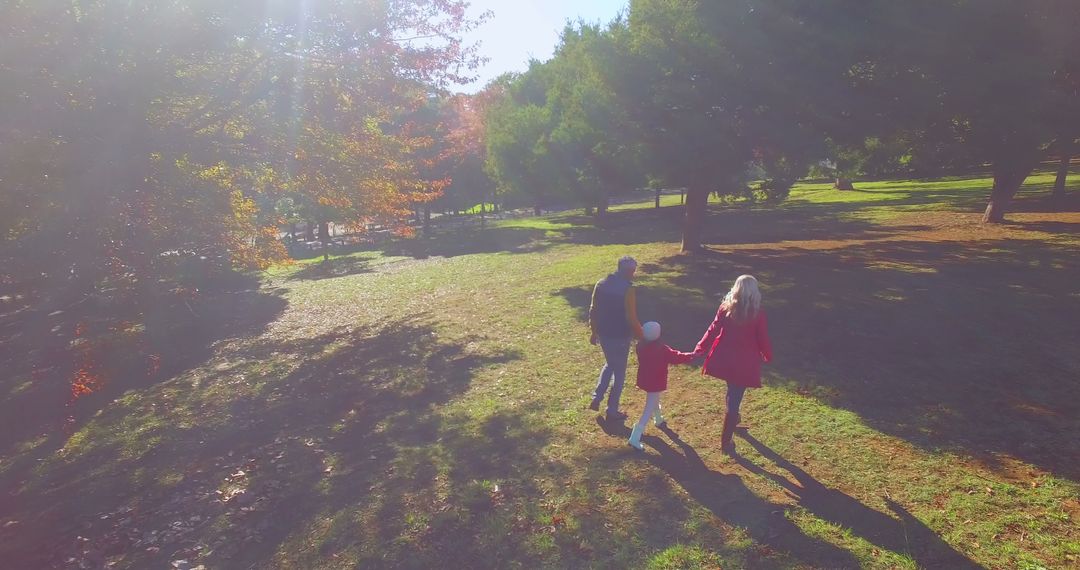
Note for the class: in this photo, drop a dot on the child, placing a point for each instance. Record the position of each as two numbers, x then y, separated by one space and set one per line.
653 360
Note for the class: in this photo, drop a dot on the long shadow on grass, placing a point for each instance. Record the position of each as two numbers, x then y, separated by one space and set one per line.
945 194
732 224
449 241
904 535
470 241
741 223
285 444
726 224
728 499
961 345
329 269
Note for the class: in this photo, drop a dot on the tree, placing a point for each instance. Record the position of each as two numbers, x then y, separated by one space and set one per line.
560 133
977 81
594 145
1065 152
999 83
1067 82
962 83
517 133
159 127
710 94
692 141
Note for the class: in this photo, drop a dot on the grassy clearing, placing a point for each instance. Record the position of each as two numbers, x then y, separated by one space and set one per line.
475 209
425 405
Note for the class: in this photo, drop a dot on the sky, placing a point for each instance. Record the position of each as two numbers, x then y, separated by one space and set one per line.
522 29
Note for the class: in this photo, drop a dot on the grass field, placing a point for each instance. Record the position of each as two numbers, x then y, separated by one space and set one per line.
424 405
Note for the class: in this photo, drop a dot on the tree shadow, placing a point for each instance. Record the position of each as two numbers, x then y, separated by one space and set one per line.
1050 227
727 223
944 193
724 224
579 299
228 464
470 241
450 241
64 367
965 345
905 534
331 268
1038 198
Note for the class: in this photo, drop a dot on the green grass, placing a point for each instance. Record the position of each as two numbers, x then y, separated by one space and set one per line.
487 207
424 404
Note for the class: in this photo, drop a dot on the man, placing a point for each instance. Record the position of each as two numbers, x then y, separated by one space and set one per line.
614 322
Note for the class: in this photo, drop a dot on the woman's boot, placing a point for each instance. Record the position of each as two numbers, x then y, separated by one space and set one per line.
727 443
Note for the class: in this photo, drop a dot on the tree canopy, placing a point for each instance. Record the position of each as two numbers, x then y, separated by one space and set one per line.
702 93
142 132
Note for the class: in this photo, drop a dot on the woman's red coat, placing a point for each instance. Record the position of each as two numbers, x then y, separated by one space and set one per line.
735 350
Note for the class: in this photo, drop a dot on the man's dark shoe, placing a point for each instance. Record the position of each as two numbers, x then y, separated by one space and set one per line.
616 417
595 406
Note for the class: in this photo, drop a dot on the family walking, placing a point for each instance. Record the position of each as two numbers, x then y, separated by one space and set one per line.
734 347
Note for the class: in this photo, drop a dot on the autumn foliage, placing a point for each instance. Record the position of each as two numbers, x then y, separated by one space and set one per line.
140 134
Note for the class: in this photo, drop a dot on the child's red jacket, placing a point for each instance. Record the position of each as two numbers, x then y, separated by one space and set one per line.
653 360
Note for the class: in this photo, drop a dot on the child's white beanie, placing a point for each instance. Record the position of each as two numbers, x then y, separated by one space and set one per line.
651 330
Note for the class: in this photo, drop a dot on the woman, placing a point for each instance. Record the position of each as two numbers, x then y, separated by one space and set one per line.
734 347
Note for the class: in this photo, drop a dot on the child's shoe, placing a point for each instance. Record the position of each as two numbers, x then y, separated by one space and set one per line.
658 418
635 439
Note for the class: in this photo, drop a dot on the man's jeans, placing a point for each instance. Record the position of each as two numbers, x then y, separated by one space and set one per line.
616 353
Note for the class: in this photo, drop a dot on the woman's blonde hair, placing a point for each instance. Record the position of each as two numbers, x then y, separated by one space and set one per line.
743 300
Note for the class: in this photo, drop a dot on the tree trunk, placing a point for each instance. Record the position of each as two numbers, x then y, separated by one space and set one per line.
309 231
658 198
537 210
697 200
324 236
1007 181
843 183
682 196
293 230
427 220
1066 152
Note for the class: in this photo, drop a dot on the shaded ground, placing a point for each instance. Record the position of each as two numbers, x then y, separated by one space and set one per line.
946 344
422 403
